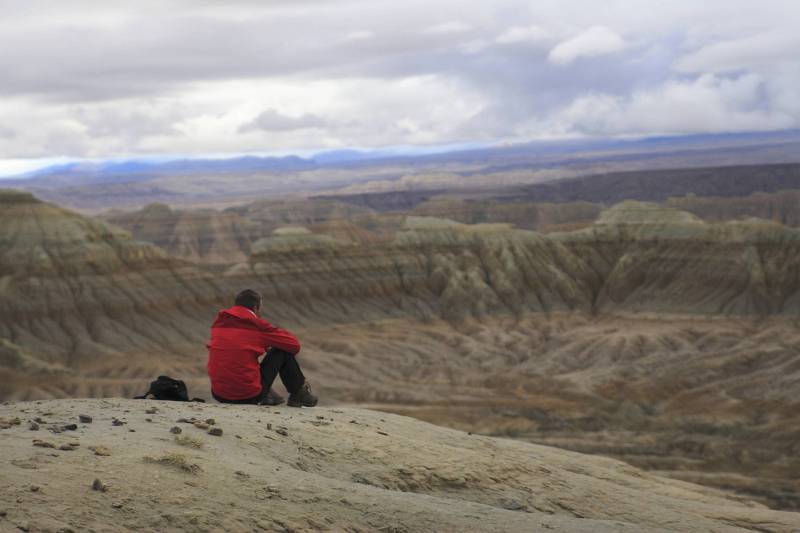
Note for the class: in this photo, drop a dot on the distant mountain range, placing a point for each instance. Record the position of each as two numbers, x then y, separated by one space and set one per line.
88 172
85 172
460 169
132 170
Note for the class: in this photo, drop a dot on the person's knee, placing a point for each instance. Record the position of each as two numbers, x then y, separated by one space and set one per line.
278 352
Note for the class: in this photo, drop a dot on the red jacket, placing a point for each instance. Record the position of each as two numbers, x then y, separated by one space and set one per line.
238 339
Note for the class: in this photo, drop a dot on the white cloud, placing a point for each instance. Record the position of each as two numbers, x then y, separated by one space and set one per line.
596 41
272 120
707 104
524 34
242 116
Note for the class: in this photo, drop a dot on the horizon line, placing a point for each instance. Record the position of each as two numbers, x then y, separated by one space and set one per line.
25 168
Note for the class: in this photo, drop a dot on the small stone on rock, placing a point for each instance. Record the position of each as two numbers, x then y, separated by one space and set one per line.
215 431
116 505
282 431
6 423
98 485
100 450
176 430
210 421
33 426
117 422
86 419
151 411
201 425
512 504
66 448
43 444
70 427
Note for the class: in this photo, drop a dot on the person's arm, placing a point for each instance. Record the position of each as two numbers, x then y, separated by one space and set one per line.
276 337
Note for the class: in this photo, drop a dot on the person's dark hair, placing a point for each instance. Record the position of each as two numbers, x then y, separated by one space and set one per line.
248 298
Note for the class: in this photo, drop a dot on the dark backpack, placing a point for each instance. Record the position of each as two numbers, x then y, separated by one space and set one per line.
166 388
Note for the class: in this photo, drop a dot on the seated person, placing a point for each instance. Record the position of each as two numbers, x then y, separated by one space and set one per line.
238 338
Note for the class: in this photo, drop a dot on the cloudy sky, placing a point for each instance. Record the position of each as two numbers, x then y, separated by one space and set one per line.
99 79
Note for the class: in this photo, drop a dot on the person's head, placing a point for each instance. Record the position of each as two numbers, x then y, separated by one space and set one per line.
250 299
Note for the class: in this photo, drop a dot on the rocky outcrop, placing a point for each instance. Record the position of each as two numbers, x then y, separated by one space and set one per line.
82 297
636 257
523 215
41 239
273 214
339 469
782 207
657 259
204 235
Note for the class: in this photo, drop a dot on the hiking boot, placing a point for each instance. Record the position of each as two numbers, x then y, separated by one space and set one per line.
272 398
303 397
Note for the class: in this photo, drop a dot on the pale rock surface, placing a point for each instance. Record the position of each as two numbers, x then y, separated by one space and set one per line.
283 469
